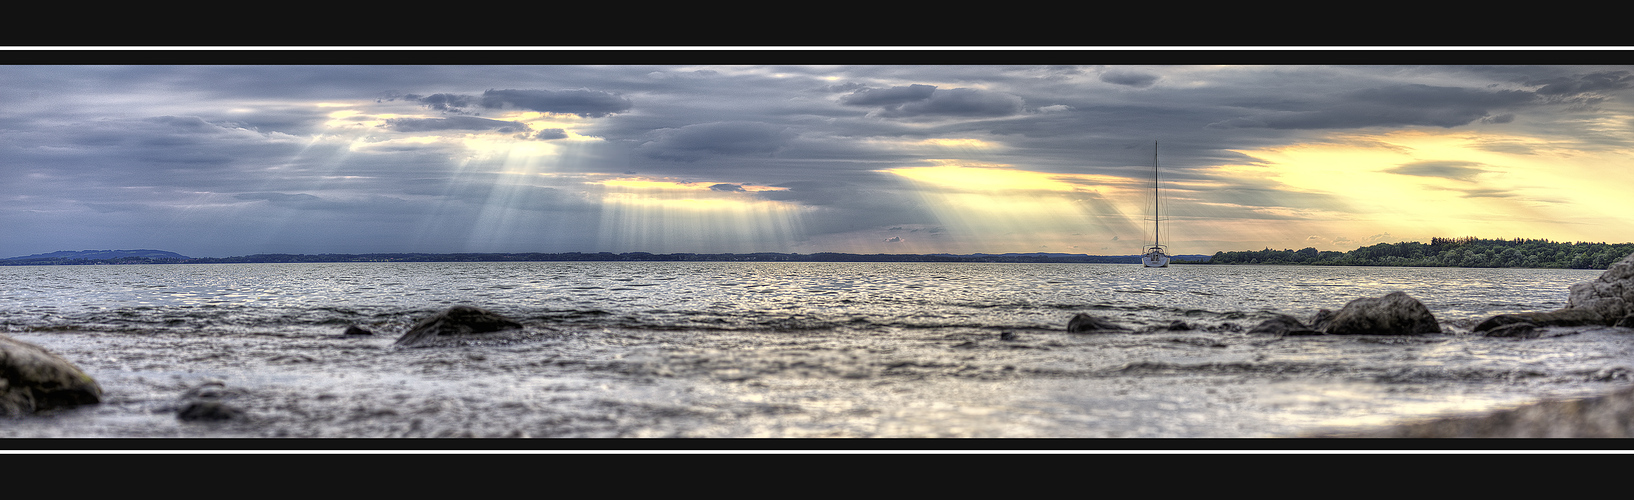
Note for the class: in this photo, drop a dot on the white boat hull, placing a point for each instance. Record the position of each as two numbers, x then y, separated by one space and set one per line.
1155 261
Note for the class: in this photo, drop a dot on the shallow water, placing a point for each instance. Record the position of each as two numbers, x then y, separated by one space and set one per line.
659 349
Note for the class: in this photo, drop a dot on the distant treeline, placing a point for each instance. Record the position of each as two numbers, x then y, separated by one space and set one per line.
603 257
1447 252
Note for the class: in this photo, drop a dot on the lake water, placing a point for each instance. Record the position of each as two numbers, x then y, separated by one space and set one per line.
313 298
836 349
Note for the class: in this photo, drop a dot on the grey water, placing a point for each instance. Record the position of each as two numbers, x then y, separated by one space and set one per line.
313 298
946 331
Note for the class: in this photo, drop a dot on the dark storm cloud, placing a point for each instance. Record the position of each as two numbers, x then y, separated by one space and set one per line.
961 102
1130 78
1420 95
443 102
1393 105
453 123
551 133
889 97
1456 170
1579 84
114 151
927 100
692 142
726 187
582 102
867 200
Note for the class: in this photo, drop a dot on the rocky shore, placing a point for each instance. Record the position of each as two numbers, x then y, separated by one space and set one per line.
469 372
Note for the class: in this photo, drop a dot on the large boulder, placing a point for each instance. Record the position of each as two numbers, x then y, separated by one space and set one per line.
1084 323
457 320
1393 314
33 379
1608 300
1611 296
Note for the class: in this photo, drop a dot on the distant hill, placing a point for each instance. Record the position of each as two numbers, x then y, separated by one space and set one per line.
103 255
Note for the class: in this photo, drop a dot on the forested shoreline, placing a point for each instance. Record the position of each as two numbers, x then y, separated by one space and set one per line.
1447 252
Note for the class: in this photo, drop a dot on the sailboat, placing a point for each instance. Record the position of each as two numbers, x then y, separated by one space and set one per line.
1154 255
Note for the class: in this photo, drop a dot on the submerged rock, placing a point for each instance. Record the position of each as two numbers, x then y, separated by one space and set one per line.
208 411
1282 324
33 379
1515 330
1561 317
1393 314
457 320
1084 323
1608 300
208 403
357 330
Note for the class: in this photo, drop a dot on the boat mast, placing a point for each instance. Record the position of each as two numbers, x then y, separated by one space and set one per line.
1155 216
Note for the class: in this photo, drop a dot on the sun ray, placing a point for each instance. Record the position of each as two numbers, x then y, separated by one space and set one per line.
998 208
666 215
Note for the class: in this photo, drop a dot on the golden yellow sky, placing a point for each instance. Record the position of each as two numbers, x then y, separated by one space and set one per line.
1419 184
1339 192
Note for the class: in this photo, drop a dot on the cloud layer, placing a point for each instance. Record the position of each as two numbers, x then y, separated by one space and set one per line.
234 160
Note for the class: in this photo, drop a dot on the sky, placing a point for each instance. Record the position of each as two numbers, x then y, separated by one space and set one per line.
215 160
